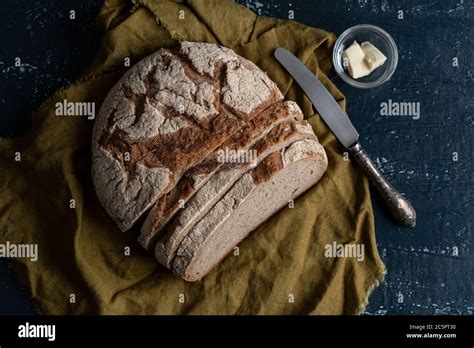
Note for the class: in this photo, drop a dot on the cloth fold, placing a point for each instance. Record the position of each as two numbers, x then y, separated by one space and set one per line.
48 198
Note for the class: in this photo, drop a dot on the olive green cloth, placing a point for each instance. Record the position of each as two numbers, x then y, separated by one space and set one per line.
83 265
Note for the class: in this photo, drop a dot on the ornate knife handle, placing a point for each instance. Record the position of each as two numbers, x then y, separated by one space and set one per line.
398 205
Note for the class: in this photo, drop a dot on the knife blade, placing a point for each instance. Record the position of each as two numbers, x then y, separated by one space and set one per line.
330 111
338 121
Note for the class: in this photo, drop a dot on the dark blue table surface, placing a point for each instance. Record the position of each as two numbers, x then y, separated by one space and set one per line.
430 267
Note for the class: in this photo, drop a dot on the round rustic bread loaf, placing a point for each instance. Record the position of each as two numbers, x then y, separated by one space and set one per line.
167 114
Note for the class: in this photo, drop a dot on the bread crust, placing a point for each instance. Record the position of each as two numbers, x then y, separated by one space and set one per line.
167 114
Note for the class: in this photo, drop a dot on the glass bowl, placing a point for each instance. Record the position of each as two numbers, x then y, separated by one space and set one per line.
377 37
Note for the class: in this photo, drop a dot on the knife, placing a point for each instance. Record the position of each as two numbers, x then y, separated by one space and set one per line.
337 120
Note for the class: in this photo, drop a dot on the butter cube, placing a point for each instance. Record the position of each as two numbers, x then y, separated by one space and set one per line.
373 57
354 60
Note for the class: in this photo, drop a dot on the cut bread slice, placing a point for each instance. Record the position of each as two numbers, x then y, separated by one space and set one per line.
280 137
257 195
168 205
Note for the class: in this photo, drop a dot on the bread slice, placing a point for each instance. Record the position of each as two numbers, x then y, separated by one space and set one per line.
168 205
280 137
257 195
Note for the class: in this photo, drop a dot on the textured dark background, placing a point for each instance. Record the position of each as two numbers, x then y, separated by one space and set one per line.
431 267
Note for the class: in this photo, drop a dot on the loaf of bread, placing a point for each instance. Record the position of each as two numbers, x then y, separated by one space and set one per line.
158 145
